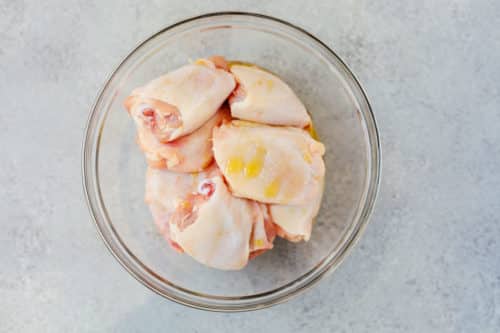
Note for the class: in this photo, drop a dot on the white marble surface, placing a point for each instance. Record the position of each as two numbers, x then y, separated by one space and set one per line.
430 260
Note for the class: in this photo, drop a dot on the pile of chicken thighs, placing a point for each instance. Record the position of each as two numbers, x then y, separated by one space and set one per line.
231 161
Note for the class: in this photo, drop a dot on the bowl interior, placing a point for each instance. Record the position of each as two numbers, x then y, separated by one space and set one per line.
339 114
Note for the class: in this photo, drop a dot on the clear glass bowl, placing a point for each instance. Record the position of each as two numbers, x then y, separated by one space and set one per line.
114 168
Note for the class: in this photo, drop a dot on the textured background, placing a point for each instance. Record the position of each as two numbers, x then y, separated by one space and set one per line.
429 261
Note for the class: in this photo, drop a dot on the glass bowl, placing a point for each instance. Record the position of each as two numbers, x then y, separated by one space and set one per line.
114 168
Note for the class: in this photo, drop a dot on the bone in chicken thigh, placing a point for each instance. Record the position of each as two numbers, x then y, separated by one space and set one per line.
198 215
279 165
181 101
190 153
263 97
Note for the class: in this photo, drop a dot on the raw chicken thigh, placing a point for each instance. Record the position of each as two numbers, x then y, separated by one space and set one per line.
263 97
190 153
181 101
198 214
280 165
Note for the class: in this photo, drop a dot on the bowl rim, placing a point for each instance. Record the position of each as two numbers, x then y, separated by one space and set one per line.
282 293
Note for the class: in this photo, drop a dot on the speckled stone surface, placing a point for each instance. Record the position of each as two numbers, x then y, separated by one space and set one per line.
429 261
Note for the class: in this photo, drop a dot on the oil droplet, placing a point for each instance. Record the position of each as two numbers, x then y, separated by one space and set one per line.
234 165
272 189
202 62
307 157
258 243
185 205
312 131
254 166
270 85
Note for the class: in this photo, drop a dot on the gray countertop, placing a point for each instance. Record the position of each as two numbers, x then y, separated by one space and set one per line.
428 262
